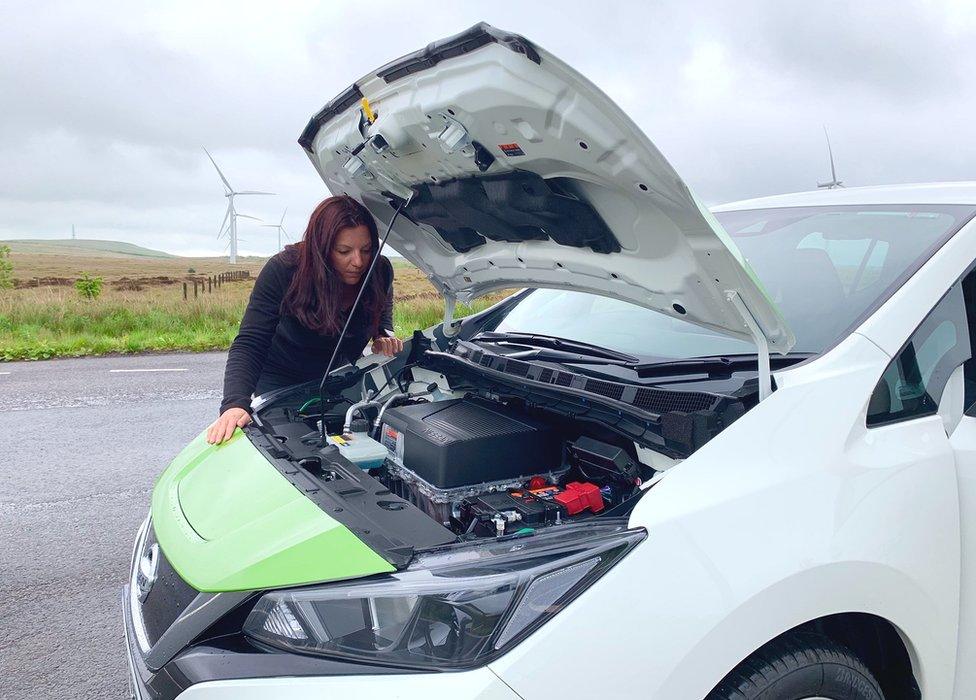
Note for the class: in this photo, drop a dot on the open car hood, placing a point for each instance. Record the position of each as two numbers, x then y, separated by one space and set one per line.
520 172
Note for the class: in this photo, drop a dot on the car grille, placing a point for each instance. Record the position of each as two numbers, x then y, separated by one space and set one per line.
168 598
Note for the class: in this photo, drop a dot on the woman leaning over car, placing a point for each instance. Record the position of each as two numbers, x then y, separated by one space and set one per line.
298 306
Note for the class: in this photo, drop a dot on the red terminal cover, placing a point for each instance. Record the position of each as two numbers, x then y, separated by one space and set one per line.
580 496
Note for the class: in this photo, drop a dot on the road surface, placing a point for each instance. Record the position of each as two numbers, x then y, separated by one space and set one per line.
81 443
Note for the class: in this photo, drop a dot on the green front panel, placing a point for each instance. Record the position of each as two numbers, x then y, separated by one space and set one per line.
227 520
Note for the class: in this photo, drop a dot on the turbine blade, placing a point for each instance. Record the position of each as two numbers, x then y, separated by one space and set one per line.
830 153
251 192
246 216
270 225
223 224
283 216
226 184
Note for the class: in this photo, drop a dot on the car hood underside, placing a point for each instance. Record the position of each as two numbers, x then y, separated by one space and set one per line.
513 170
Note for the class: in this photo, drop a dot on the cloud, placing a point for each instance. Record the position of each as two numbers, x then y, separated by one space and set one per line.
108 105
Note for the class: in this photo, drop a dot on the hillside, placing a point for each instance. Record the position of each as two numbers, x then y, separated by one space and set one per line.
83 248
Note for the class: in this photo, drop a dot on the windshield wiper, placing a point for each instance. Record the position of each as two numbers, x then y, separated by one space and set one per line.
715 364
554 343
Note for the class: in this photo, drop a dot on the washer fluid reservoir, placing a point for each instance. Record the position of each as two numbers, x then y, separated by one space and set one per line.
359 448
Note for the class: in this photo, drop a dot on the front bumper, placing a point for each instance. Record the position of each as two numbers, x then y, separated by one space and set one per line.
480 684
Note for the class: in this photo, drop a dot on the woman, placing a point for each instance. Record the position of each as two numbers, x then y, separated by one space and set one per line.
298 306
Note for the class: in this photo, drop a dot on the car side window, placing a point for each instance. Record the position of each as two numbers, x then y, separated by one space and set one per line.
912 385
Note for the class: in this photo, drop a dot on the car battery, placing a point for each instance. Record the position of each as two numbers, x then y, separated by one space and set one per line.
464 442
514 510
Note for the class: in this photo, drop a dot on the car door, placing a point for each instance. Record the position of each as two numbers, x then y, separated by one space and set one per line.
935 374
959 412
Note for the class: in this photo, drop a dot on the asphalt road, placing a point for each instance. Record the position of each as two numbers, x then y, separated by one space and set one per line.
82 442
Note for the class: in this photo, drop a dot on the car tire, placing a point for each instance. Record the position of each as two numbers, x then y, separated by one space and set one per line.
799 665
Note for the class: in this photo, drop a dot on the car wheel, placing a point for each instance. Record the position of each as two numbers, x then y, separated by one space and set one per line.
799 666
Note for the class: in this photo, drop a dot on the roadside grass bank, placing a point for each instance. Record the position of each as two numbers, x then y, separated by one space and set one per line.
48 322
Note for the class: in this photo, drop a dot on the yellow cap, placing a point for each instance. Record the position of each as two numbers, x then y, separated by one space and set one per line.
368 111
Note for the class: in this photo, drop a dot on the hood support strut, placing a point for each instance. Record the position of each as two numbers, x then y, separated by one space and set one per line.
762 344
451 326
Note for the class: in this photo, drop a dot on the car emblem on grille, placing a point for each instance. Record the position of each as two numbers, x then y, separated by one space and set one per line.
146 573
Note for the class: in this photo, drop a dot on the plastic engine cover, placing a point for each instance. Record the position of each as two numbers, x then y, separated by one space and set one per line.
468 441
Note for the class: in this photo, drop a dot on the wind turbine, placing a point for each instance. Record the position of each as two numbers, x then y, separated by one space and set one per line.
833 182
230 217
280 226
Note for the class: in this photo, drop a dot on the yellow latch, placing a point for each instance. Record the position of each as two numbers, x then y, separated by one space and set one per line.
368 111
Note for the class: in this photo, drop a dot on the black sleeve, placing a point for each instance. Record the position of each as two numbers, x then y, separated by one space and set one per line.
386 318
250 348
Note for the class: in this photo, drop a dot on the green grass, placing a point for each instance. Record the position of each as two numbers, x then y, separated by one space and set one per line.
71 328
55 322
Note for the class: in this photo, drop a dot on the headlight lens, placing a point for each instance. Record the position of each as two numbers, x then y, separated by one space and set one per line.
457 607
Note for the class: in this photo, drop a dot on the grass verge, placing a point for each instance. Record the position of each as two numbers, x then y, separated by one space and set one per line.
47 322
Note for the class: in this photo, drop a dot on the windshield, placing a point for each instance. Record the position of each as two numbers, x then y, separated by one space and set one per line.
826 268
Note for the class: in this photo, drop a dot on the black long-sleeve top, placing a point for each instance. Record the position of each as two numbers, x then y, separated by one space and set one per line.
274 349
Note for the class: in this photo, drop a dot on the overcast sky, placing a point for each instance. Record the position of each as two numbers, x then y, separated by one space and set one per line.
105 107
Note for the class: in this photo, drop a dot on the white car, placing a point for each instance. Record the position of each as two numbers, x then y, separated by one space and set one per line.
723 455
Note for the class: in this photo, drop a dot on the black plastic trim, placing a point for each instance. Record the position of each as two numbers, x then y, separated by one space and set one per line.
350 495
204 611
210 663
346 99
676 434
467 41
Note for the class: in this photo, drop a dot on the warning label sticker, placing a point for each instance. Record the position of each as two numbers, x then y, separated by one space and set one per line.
392 440
511 149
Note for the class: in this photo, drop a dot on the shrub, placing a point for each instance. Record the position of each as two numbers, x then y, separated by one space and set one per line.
192 270
6 268
89 287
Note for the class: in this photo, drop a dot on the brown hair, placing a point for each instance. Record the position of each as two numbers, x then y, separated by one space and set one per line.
315 293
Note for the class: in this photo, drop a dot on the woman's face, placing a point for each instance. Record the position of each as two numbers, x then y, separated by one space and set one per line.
351 253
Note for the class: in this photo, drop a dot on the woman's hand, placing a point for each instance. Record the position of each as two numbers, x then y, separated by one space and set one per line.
387 346
231 419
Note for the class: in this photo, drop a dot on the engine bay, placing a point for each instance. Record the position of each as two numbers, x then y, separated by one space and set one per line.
483 436
471 464
489 469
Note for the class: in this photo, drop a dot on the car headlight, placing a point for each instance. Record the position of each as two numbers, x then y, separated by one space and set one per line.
457 607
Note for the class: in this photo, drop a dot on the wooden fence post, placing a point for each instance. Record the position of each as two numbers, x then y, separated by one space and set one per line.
209 285
194 289
184 291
